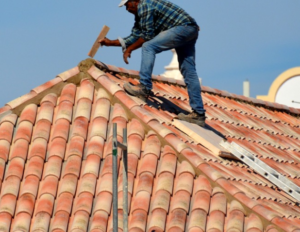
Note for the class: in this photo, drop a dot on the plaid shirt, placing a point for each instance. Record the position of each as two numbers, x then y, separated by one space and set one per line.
155 16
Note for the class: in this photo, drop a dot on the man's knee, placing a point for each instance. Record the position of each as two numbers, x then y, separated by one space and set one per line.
150 46
146 45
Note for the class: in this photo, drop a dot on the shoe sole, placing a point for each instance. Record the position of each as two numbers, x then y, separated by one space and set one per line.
197 122
202 124
128 90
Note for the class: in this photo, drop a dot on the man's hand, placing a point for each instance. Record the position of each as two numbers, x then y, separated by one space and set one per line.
126 54
105 42
131 48
108 42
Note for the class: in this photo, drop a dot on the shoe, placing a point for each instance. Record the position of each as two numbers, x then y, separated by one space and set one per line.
193 117
139 91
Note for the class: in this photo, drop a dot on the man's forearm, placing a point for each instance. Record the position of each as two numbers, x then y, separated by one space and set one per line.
115 43
108 42
139 43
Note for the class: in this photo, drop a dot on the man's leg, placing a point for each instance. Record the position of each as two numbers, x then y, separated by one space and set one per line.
150 48
165 40
186 59
187 66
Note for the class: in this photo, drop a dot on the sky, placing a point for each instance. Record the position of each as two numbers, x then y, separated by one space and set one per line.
239 40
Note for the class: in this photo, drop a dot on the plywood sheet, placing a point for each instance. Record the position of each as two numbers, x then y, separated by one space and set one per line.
206 136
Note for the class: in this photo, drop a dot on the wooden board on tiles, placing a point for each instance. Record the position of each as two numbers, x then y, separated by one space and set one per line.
96 45
206 136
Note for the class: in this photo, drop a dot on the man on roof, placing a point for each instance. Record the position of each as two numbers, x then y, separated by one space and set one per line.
161 25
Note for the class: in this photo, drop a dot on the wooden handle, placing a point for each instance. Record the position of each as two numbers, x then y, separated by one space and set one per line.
96 45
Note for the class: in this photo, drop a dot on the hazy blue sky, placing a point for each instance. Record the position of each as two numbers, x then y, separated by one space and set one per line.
255 40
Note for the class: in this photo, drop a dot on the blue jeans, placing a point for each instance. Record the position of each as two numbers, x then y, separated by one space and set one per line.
183 39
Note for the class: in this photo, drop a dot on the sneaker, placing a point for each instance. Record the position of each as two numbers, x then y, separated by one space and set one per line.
139 91
193 117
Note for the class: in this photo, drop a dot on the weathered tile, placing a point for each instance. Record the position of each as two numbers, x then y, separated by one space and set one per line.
99 221
28 113
19 149
21 222
4 149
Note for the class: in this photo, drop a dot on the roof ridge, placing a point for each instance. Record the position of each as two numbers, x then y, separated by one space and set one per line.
135 74
39 92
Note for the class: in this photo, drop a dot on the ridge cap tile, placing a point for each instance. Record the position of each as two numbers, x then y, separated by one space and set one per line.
5 110
20 100
69 73
109 85
47 85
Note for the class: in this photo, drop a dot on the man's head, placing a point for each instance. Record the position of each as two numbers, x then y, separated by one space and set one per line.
131 5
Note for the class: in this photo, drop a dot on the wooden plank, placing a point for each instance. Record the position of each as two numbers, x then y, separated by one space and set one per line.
96 45
205 136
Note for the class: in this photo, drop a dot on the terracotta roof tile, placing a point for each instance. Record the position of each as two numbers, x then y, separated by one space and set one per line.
5 110
65 111
184 182
15 168
28 114
47 85
160 200
216 221
41 221
69 73
152 145
141 201
21 222
59 222
8 203
271 228
30 186
145 182
235 221
61 129
102 107
56 161
83 108
21 100
168 163
6 131
5 221
19 149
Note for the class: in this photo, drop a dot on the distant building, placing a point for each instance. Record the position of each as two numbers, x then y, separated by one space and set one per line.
285 89
172 70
